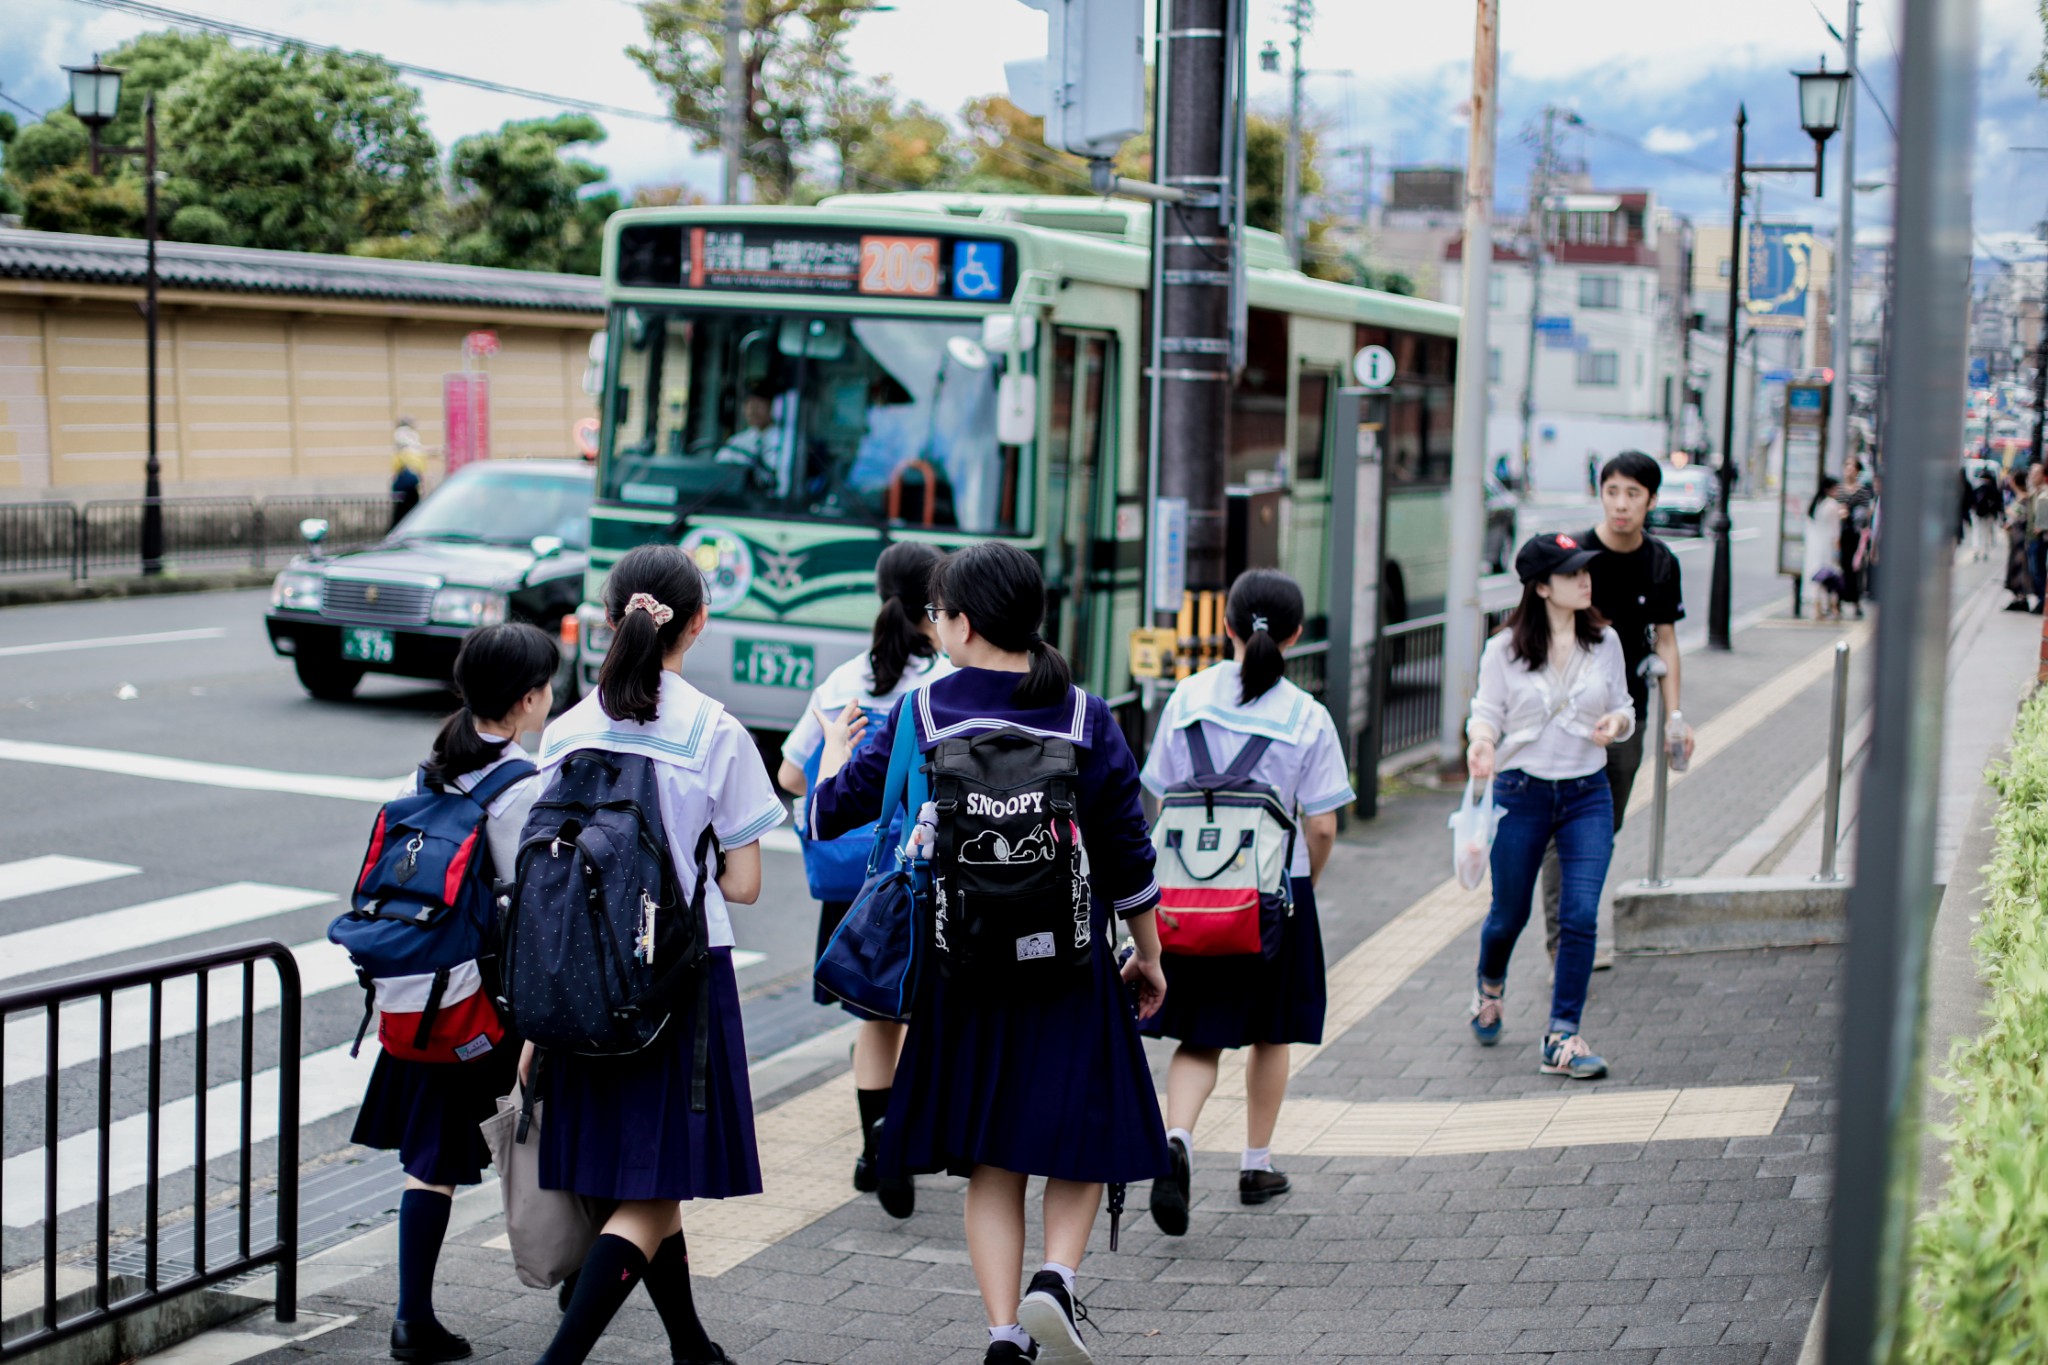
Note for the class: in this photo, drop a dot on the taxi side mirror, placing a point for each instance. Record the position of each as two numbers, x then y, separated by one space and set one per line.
313 530
546 547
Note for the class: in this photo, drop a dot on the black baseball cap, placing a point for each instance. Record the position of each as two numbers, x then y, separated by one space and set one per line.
1543 556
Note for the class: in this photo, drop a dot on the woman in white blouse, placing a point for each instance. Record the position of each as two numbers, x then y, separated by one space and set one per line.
1552 696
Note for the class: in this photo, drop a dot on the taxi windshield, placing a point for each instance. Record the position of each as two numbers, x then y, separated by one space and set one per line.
785 414
499 505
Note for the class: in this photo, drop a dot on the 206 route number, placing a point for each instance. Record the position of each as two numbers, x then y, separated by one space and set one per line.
774 663
902 266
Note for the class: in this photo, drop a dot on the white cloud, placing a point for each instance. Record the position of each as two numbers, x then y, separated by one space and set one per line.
1676 141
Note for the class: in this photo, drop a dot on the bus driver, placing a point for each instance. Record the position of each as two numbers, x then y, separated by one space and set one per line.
757 444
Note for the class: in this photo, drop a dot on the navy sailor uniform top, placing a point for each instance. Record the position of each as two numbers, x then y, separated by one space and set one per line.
1115 835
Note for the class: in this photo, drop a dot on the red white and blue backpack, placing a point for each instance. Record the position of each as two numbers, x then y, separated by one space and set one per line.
420 930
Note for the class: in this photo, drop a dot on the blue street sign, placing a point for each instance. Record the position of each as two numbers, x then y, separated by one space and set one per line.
1980 372
977 270
1553 324
1777 376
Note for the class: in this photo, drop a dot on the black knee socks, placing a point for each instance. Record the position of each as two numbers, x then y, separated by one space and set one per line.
422 1224
609 1273
668 1284
873 1105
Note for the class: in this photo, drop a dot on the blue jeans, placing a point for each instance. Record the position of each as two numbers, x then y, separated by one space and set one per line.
2037 564
1578 813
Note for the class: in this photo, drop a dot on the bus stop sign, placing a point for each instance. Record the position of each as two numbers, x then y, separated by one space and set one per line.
1374 367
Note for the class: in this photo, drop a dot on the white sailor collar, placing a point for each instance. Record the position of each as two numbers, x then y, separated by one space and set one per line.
1283 713
680 734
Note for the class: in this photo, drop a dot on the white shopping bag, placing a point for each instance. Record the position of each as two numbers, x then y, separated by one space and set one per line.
1472 828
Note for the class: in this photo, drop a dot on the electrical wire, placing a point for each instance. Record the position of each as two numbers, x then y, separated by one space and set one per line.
19 105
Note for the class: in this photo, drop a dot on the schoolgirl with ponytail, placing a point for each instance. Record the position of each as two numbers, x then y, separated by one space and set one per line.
623 1128
904 656
1000 1083
428 1112
1213 1003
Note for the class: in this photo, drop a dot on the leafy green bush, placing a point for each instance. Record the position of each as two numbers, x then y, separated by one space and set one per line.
1980 1289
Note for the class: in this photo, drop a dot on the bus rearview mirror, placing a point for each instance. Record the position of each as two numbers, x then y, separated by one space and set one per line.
1017 409
998 330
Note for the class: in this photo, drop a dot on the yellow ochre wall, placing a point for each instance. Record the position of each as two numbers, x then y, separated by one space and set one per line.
254 398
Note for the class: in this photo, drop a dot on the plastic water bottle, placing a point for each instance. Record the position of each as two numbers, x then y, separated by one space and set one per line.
1676 731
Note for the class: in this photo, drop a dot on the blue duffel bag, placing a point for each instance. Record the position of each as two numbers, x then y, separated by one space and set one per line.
875 957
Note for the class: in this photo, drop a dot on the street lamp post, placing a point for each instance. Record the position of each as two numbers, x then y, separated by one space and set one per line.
1820 114
95 98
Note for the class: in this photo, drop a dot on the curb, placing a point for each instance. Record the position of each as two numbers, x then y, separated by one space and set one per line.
65 590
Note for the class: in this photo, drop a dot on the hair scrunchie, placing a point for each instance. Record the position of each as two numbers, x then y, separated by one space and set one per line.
1258 623
646 601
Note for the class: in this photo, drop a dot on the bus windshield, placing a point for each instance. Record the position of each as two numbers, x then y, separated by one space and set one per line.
788 414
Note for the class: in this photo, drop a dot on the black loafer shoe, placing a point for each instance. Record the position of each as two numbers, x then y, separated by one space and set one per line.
1256 1187
898 1197
424 1343
1170 1193
717 1357
567 1291
864 1179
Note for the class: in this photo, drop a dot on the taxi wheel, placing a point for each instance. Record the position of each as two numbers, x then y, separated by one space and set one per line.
327 680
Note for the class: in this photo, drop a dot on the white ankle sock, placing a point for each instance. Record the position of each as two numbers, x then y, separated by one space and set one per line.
1013 1334
1066 1274
1187 1139
1257 1159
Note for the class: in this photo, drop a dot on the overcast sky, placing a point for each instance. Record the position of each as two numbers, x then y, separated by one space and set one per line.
1656 83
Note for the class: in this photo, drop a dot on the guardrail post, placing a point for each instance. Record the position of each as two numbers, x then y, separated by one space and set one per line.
1659 793
1831 811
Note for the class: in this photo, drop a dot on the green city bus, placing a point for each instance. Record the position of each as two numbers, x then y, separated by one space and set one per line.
788 389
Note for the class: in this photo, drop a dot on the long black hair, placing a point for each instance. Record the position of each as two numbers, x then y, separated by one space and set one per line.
1828 483
629 682
997 587
1529 628
903 577
494 670
1265 607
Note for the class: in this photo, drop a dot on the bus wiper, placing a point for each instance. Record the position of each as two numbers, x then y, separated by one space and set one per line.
721 485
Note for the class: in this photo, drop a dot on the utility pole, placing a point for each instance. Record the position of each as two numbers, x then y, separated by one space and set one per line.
1301 14
1721 586
1845 264
1468 457
732 119
1539 222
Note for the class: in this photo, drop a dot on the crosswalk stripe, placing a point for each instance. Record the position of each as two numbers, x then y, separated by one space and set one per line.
330 1082
323 966
56 872
91 937
162 637
373 790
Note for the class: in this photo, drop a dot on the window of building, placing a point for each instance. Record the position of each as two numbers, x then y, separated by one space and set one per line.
1599 368
1639 369
1493 366
1311 417
1496 289
1599 291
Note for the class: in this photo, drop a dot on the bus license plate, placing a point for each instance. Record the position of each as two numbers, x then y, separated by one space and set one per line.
773 663
368 646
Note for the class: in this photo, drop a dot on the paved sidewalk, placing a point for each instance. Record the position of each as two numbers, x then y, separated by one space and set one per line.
1449 1204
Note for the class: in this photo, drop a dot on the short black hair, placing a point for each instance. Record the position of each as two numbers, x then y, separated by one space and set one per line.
1636 467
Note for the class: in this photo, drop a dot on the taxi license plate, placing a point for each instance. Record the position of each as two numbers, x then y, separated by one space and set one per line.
773 663
361 645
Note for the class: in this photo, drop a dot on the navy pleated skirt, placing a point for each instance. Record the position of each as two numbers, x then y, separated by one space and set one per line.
830 913
1237 1001
621 1127
428 1112
1054 1086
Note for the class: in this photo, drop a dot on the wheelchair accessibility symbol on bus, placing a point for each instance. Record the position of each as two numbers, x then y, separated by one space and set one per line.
977 270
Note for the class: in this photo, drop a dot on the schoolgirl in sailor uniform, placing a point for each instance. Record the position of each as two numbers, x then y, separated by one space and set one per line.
428 1112
622 1128
1000 1087
1214 1003
903 656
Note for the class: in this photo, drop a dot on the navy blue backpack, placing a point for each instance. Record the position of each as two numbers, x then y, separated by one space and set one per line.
836 869
875 957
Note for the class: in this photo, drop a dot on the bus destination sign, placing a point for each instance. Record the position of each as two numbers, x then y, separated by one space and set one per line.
769 258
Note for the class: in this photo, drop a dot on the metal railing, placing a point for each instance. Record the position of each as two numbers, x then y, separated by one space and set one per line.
105 534
1411 686
102 987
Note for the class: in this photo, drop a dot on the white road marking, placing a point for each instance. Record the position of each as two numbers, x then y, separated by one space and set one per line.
372 790
56 872
323 966
162 637
330 1083
144 926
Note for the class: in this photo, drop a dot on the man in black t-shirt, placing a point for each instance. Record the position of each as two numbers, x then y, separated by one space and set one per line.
1636 587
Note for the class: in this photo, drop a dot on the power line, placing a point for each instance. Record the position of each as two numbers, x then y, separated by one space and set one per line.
1648 150
19 105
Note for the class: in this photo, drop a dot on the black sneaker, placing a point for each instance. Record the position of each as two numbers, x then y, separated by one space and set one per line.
1052 1317
1170 1192
1256 1187
1008 1353
426 1343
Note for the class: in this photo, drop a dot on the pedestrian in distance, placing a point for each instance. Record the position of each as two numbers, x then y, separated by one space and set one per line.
1638 590
1986 506
2037 534
624 1128
408 469
1022 1056
1214 1002
2018 585
1856 498
1552 699
428 1111
1824 515
903 655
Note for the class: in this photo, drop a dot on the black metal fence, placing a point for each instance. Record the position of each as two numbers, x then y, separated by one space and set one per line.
1411 684
105 534
62 1317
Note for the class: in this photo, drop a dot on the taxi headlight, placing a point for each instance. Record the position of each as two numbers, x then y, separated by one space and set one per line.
593 631
468 607
295 591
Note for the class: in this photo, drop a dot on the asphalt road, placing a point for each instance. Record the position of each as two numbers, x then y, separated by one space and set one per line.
122 725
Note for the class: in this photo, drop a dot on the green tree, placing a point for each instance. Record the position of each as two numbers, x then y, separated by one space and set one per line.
794 57
296 150
1007 153
516 197
882 143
